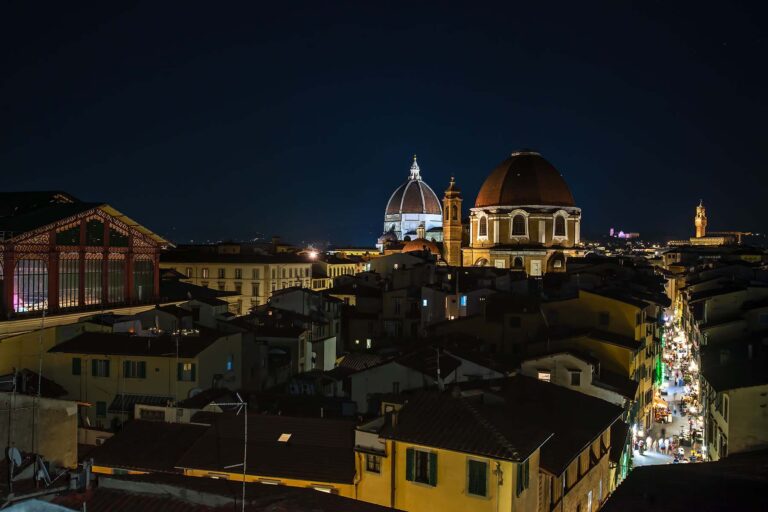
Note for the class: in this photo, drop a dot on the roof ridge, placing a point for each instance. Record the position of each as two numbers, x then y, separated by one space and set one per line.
501 438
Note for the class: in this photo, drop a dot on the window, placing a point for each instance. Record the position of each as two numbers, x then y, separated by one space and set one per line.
518 262
230 362
725 408
368 343
274 273
463 301
94 233
424 303
523 477
421 466
117 239
397 305
372 463
477 476
447 213
518 225
222 273
93 281
603 318
545 375
69 236
396 388
255 273
116 279
559 225
101 409
238 273
69 280
204 273
30 285
185 372
135 369
100 367
239 288
589 494
255 289
77 366
188 273
575 378
483 229
143 279
454 212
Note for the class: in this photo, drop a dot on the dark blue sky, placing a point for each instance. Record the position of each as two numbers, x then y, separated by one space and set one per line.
218 119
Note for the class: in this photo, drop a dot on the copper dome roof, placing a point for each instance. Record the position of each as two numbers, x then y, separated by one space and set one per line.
525 178
414 196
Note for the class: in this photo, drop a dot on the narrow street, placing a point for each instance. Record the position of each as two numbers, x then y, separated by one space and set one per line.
676 434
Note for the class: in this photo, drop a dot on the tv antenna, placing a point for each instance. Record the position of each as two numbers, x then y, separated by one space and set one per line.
242 406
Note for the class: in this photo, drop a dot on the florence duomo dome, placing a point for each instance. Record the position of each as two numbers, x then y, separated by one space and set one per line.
411 205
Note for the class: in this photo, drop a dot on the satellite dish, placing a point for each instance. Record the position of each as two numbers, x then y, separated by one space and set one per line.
14 455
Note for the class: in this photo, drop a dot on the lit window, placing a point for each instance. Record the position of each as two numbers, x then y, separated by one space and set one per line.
546 376
373 463
463 301
368 343
424 302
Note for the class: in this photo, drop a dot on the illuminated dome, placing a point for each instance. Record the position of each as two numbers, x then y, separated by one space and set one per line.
411 205
421 244
525 178
414 196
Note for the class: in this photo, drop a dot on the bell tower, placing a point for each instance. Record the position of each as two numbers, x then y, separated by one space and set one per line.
452 225
700 221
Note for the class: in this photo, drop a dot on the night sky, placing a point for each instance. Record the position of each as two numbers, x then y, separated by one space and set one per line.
218 120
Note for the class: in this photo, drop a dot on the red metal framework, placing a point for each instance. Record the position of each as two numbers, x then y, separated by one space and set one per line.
106 250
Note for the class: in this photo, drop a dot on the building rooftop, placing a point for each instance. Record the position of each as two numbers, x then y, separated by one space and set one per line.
148 446
107 343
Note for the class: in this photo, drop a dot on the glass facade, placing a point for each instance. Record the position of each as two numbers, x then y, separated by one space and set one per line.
116 284
94 233
30 285
69 281
93 282
143 279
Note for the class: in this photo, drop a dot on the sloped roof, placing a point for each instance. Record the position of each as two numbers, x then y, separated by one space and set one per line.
108 343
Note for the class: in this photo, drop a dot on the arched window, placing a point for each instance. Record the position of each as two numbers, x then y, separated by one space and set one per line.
143 279
69 280
447 213
93 282
30 285
559 225
518 263
454 212
483 231
518 225
481 262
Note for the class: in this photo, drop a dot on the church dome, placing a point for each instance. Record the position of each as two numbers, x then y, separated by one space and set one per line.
421 244
414 196
525 178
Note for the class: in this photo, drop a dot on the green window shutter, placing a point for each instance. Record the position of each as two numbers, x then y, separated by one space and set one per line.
409 464
432 468
478 477
142 369
76 366
179 370
193 373
519 479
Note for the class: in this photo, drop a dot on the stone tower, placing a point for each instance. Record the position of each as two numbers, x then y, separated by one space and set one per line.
452 225
700 221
